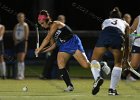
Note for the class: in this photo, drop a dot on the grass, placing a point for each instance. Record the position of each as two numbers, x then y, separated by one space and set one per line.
53 90
75 71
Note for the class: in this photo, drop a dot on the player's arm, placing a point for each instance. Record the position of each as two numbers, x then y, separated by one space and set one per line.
134 25
47 39
26 30
127 49
50 48
2 30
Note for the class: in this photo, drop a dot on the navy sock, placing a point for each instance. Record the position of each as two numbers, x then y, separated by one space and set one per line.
65 76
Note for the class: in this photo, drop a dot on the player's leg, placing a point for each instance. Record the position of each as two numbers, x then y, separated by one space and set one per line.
2 62
2 67
21 53
62 59
96 68
98 52
116 72
21 65
81 58
135 58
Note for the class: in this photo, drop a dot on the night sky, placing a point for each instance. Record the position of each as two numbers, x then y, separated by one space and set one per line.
82 19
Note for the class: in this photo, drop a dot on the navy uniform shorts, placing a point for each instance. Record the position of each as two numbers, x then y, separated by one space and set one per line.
71 45
110 37
20 47
135 49
1 47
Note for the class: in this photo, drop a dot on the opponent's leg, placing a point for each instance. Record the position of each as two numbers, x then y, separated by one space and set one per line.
116 72
96 68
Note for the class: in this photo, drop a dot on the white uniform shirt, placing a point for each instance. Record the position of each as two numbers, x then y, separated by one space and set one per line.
137 36
20 32
115 22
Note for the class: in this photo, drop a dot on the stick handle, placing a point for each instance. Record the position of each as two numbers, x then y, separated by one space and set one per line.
37 45
133 71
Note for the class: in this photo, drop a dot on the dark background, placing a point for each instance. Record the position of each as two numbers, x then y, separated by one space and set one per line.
76 19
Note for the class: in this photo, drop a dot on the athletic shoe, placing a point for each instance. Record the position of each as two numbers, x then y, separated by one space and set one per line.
69 88
112 92
130 78
105 67
97 84
20 78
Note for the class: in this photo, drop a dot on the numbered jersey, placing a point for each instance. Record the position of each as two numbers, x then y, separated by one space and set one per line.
19 32
115 22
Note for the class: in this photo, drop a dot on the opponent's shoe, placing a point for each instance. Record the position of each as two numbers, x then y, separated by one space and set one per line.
112 92
97 84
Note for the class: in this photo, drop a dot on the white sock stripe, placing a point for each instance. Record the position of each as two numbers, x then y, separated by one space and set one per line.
85 56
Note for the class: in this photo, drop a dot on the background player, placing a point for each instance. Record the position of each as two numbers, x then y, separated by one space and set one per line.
128 76
135 52
20 36
2 62
61 18
111 39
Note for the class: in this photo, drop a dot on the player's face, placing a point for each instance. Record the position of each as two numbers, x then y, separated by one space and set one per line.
42 23
21 18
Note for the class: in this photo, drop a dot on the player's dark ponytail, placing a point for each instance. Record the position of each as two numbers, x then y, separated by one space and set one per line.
115 13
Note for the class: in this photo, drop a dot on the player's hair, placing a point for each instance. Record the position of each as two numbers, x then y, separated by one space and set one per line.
115 13
45 13
20 13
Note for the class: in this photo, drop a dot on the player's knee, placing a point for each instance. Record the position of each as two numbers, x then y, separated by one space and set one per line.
86 65
95 64
118 64
61 65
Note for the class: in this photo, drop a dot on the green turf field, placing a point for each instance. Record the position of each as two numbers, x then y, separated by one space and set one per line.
53 90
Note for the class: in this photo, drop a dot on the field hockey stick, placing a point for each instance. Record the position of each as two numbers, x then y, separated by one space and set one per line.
126 57
132 70
37 40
